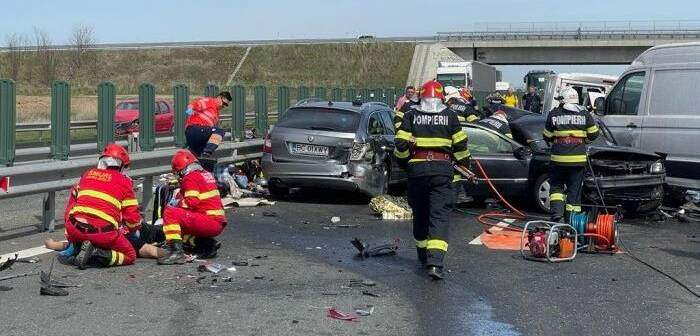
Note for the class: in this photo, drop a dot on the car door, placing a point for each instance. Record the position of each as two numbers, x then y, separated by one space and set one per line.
379 138
496 154
397 174
672 124
622 114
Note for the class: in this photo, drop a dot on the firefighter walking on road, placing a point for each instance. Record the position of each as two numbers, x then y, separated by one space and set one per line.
568 129
199 216
202 130
429 139
102 199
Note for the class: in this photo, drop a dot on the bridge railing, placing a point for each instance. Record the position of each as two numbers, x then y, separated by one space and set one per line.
594 30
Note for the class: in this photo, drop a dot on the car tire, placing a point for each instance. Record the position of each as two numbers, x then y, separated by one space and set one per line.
540 193
277 191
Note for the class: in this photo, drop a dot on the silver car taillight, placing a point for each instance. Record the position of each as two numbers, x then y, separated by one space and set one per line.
358 150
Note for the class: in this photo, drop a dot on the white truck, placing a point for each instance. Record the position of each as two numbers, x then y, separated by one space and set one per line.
588 86
473 75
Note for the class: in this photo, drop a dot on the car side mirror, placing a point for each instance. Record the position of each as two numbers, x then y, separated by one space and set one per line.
599 106
522 153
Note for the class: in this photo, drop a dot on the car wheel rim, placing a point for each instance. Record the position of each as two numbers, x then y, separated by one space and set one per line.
543 194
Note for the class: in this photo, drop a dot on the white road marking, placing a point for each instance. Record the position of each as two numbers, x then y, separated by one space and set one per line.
498 227
28 253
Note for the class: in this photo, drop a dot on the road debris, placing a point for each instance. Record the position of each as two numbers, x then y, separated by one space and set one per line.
239 263
15 276
335 219
214 268
8 263
5 289
269 214
338 315
47 284
259 277
391 207
365 312
365 251
47 281
361 283
368 293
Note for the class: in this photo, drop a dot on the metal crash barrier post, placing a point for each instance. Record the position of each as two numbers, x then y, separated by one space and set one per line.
60 120
8 116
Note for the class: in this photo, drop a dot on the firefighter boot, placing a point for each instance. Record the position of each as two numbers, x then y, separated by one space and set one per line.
90 255
207 248
436 273
422 255
174 254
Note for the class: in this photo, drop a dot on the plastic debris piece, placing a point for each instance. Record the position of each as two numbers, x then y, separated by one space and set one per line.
7 263
239 263
190 258
338 315
368 293
231 269
330 293
335 219
259 277
29 260
211 267
5 289
227 279
269 214
369 283
391 208
365 251
261 257
365 312
53 291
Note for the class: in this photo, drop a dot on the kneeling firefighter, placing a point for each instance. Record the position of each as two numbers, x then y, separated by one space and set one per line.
429 138
199 213
102 199
568 129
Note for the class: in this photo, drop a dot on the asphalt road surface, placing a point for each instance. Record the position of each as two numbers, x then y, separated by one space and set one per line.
300 264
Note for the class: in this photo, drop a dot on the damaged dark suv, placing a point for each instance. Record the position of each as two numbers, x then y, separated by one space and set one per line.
625 176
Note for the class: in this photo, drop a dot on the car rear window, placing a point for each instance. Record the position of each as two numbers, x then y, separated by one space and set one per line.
320 120
128 106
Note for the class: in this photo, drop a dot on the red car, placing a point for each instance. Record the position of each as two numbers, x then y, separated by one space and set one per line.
126 118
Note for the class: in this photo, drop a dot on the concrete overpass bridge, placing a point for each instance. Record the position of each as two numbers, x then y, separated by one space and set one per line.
549 43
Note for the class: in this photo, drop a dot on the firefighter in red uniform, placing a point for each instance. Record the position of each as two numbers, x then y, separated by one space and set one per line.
200 213
102 199
201 128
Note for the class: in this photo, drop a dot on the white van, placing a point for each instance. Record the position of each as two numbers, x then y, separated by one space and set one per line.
588 86
655 106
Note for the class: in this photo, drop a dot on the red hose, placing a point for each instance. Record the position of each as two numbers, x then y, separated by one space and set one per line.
486 219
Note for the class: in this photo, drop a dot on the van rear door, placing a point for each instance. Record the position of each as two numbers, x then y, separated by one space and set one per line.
622 113
672 125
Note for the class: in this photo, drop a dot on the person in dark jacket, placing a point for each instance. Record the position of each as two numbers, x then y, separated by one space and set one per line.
531 100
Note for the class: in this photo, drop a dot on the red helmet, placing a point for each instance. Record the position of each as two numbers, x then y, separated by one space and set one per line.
118 152
182 159
432 89
465 93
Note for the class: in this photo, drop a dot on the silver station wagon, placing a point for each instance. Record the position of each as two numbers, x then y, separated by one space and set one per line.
332 145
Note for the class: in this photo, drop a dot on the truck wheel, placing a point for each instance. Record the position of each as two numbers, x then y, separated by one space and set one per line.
540 194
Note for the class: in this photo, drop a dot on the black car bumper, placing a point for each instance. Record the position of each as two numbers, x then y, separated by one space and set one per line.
626 188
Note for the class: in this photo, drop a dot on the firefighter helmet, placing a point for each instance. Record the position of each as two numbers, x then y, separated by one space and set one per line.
451 92
568 95
116 152
182 159
465 93
432 89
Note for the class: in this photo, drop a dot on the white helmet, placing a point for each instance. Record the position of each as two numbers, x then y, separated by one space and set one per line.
568 95
451 92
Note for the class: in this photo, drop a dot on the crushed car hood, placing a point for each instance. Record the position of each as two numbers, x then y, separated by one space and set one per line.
621 153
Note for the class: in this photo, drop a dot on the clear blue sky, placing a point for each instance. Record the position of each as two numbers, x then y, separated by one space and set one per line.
179 20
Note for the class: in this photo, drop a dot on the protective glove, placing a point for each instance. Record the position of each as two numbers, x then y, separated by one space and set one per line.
189 111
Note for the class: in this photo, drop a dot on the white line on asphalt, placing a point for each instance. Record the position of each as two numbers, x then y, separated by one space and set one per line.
498 227
28 253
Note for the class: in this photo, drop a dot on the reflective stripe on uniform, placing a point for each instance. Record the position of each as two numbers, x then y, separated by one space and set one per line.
472 118
459 156
192 193
403 135
100 195
459 136
114 257
422 243
433 142
461 119
215 212
401 155
573 208
399 113
568 158
397 125
592 129
97 213
556 197
456 178
547 133
130 202
172 231
437 244
208 194
573 133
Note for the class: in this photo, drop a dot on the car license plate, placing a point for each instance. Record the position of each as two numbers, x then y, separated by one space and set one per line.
306 149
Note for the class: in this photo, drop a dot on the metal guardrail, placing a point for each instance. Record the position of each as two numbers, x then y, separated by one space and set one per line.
53 176
585 30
